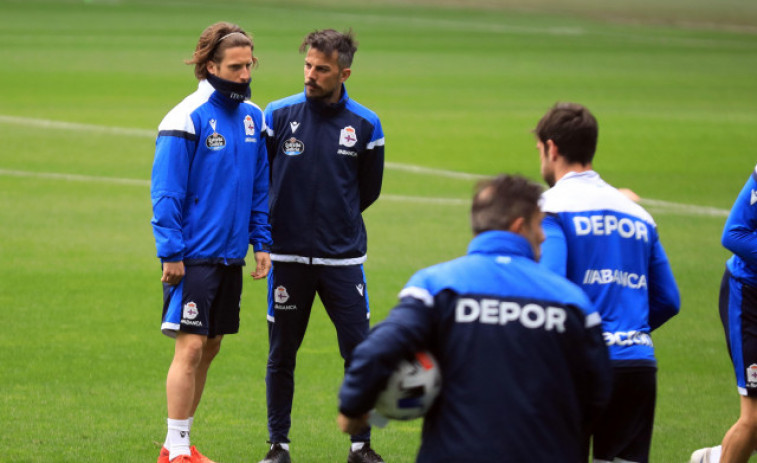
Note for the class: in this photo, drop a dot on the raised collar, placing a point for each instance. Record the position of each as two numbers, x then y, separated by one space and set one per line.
215 96
501 242
329 108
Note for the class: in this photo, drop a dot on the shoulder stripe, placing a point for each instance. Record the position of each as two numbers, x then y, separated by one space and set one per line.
177 133
593 319
375 143
377 136
418 293
180 117
284 102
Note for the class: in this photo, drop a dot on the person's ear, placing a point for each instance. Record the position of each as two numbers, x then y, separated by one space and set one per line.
517 225
212 68
552 151
345 74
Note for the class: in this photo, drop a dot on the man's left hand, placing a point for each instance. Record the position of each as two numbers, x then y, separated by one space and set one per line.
263 265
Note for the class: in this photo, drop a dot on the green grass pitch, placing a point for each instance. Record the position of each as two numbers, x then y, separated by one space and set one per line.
458 86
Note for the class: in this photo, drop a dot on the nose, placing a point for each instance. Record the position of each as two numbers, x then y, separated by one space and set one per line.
245 74
309 74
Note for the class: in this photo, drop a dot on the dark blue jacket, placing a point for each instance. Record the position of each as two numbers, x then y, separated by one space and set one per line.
327 164
524 368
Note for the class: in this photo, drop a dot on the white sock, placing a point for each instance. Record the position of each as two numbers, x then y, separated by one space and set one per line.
178 438
357 446
283 445
167 442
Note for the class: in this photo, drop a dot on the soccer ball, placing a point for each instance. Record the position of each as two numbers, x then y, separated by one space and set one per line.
411 389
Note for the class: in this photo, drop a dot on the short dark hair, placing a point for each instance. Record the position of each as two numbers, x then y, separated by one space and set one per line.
212 45
500 200
328 40
573 129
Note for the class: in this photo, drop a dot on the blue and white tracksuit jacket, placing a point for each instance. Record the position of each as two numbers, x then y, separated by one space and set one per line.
740 234
524 367
210 181
327 164
608 245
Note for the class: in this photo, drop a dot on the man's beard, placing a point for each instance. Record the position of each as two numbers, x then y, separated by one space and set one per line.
549 177
314 89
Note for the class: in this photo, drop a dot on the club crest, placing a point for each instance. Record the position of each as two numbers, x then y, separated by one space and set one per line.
215 141
348 137
281 295
190 311
293 147
249 126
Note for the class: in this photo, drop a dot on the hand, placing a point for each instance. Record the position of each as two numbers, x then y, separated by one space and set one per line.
173 272
263 265
630 194
352 426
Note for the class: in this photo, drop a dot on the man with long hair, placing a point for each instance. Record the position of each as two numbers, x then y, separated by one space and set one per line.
210 203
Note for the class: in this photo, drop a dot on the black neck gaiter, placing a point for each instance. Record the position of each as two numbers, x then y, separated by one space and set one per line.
235 91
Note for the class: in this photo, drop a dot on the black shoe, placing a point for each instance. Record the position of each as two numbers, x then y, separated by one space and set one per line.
277 454
364 455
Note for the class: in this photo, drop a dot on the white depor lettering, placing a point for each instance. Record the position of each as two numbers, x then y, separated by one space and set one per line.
609 224
607 276
496 312
627 338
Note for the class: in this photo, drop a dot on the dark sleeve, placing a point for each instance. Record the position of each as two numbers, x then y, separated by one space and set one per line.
405 331
597 384
371 168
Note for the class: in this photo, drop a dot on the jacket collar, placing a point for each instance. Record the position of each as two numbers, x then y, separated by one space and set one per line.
502 243
329 108
587 175
215 96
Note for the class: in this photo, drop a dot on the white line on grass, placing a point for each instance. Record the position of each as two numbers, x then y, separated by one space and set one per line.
50 124
431 171
92 128
74 177
664 207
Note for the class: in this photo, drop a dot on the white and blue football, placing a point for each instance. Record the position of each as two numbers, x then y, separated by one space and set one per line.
411 389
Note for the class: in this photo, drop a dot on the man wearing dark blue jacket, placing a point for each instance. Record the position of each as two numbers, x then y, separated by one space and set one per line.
607 244
326 154
210 203
524 368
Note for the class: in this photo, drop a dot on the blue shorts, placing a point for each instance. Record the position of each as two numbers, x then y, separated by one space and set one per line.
738 312
206 301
